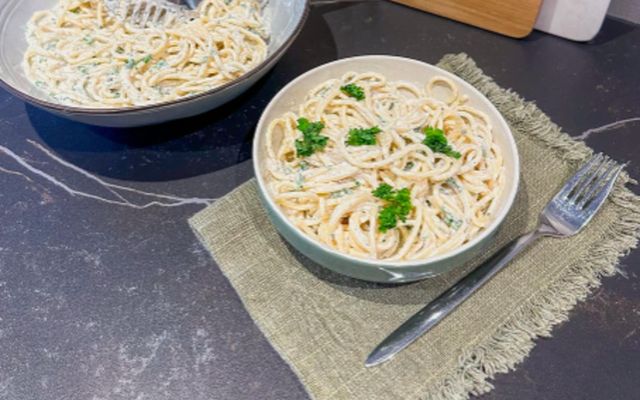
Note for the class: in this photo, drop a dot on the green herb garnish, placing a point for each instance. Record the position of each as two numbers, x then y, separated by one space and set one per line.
341 193
451 221
311 140
88 40
119 49
75 10
353 90
437 141
132 63
397 207
346 191
299 181
452 182
361 137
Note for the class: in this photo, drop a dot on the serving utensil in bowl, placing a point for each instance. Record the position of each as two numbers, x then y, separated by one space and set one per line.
144 13
394 68
285 19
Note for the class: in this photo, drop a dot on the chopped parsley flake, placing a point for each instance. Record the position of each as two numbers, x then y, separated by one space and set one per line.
311 140
451 221
361 137
437 142
452 182
353 90
341 193
132 63
345 191
299 181
397 207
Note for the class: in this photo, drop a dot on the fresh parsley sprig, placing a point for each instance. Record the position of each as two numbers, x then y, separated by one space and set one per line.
362 136
437 141
311 140
353 90
397 207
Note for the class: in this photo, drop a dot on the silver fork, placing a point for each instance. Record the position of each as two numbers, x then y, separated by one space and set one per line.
565 215
146 13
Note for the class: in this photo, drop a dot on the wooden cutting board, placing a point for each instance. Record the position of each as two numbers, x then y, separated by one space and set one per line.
513 18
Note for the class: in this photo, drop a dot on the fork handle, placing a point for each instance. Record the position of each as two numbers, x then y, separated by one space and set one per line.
434 312
466 286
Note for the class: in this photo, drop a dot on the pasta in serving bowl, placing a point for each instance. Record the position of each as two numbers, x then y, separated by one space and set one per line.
70 57
83 56
385 168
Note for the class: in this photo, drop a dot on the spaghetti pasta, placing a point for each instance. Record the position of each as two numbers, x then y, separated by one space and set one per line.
82 56
331 194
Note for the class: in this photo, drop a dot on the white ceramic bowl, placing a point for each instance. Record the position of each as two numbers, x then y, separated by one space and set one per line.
286 19
394 68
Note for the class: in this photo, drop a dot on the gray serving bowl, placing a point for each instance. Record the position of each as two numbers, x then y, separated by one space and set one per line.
394 68
285 17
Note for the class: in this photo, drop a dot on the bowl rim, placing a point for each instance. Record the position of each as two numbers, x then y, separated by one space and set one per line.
488 232
165 104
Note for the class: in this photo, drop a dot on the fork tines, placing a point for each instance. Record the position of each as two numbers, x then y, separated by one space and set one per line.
144 13
592 181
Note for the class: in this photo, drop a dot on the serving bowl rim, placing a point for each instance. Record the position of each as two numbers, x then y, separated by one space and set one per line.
164 104
487 233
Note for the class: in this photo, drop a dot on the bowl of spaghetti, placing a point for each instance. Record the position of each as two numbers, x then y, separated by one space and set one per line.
384 168
76 59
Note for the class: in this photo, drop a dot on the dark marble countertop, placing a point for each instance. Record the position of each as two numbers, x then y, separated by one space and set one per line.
106 294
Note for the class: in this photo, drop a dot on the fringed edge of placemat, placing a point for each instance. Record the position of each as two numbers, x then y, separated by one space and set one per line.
513 341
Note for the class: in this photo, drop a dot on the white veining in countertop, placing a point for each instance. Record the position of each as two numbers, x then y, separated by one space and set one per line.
121 200
608 127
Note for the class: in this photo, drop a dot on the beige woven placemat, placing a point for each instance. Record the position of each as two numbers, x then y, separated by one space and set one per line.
324 325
